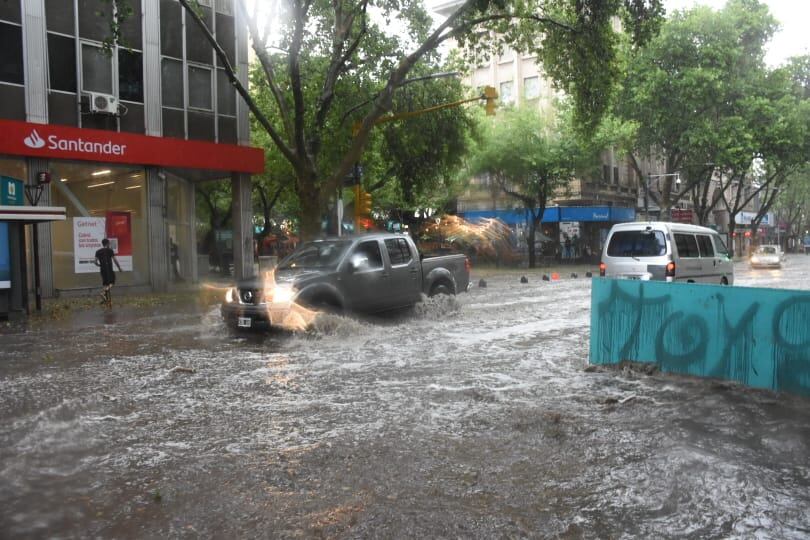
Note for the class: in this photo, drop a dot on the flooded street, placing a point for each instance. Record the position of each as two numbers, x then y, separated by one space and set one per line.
470 417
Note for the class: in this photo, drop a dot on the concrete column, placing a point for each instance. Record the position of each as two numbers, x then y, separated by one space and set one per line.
194 275
36 74
151 67
158 230
242 65
242 226
44 239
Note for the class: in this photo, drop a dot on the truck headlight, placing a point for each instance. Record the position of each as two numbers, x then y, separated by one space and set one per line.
283 294
229 295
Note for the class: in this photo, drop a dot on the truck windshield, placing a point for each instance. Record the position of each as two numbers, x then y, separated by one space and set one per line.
322 254
637 244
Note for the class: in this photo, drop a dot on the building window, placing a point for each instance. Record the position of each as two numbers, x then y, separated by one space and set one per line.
199 88
506 92
172 83
130 75
10 10
59 16
95 19
531 87
62 63
606 174
226 94
198 48
616 175
96 69
226 36
171 29
11 56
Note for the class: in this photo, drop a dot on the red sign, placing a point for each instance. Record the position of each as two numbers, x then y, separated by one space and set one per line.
681 216
60 142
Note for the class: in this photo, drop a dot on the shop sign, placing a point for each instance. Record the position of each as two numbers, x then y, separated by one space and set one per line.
745 218
12 191
681 216
119 233
88 232
63 142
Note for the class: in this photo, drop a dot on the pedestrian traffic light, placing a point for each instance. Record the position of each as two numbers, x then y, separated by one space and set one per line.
490 94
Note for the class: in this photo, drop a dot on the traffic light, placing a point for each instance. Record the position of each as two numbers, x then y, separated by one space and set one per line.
490 94
362 202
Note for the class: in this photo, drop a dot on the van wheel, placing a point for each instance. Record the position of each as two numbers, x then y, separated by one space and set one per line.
723 281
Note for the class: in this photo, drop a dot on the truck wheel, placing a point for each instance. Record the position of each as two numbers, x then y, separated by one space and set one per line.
325 305
440 289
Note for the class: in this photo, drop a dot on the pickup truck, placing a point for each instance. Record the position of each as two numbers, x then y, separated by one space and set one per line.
367 274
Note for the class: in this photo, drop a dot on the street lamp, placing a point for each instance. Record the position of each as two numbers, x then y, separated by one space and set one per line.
647 189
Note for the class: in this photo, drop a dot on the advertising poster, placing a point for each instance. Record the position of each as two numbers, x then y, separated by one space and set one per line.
88 232
119 232
5 258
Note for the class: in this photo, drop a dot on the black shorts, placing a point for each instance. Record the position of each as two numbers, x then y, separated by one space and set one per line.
107 278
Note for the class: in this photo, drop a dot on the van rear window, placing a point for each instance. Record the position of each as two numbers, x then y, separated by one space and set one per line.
637 244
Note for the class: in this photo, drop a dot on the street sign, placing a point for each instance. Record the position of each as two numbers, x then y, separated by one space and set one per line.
681 216
12 191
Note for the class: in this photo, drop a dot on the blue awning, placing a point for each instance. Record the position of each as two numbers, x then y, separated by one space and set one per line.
554 214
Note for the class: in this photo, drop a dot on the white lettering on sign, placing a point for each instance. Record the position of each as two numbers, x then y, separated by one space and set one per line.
90 147
75 145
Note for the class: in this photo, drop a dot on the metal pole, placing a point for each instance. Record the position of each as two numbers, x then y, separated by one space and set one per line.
37 287
340 212
646 201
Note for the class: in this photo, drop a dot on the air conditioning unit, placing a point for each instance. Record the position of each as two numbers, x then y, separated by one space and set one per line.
102 103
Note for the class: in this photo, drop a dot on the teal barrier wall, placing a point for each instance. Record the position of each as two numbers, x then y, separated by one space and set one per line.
758 337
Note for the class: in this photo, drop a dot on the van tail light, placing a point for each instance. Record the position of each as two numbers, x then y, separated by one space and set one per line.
602 269
467 264
671 269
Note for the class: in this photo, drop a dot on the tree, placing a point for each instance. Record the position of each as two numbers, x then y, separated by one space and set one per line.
529 159
686 90
329 48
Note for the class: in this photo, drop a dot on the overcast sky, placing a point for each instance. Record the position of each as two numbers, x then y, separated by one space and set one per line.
794 16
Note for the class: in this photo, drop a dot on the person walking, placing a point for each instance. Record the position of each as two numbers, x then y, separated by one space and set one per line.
105 257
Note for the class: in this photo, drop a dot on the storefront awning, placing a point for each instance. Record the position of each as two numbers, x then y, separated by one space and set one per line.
32 214
555 214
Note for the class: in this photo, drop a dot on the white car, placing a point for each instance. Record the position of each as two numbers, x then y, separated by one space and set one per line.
768 256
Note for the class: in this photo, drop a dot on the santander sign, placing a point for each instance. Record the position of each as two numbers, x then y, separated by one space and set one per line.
74 145
53 141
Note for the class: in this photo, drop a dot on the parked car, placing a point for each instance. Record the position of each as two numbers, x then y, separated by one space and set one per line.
666 251
767 256
367 274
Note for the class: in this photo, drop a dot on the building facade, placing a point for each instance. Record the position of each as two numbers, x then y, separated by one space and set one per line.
124 130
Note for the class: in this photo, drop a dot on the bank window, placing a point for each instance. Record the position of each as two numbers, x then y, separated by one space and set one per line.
11 56
506 92
130 75
687 246
199 88
171 28
97 69
226 94
95 19
226 36
59 16
62 63
531 87
198 48
172 83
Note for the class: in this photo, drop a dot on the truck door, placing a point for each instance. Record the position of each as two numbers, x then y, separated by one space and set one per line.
365 278
405 272
712 271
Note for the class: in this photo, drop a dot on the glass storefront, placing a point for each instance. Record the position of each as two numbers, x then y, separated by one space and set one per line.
105 200
179 212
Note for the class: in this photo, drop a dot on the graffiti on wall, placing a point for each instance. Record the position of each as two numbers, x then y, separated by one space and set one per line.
758 337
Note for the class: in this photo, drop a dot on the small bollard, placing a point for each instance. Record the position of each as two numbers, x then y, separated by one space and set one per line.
574 275
524 279
546 278
482 283
588 274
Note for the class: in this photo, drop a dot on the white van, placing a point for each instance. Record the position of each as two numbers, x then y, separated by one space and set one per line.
657 250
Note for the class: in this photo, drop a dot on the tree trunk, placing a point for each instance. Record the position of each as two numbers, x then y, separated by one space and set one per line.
532 229
731 227
309 198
